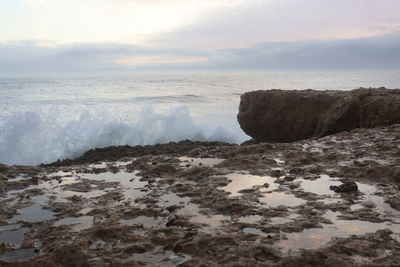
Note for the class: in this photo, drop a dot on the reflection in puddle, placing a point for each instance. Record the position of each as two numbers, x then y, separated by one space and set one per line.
33 213
133 188
129 181
146 221
276 199
68 180
240 182
61 174
100 165
85 211
168 258
254 231
316 237
190 210
105 164
378 201
210 162
13 236
18 178
280 220
250 219
79 223
319 186
356 207
212 220
20 254
172 199
175 259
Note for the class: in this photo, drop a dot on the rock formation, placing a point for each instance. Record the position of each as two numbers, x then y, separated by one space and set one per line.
290 115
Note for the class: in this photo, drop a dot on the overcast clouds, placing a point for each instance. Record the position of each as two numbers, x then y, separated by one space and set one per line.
59 36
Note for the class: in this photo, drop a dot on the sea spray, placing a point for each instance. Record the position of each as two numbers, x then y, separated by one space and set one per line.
36 137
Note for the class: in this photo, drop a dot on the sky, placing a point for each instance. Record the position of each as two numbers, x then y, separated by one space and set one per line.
68 36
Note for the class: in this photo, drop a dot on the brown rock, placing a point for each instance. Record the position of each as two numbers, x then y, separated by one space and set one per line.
290 115
71 255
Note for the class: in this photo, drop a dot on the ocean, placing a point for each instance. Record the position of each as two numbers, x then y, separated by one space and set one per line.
43 119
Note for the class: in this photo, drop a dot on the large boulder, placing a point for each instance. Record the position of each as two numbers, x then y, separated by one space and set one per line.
290 115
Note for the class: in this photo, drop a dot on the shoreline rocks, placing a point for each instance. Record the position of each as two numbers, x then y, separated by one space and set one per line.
213 204
291 115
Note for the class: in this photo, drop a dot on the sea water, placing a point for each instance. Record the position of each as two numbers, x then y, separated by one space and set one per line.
43 119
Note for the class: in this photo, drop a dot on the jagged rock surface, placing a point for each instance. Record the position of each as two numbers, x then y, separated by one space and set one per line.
291 115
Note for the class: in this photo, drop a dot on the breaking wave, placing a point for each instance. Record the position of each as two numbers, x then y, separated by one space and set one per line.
36 137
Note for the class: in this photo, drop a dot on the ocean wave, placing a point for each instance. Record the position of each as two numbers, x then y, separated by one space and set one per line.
189 99
35 137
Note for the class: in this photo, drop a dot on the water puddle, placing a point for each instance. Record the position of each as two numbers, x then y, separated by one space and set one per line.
315 237
368 197
254 231
280 220
12 234
106 164
78 223
378 201
250 219
210 162
356 207
240 182
212 220
276 199
319 186
61 174
101 165
167 258
35 213
170 199
18 178
175 259
192 211
85 211
20 254
132 186
68 180
146 221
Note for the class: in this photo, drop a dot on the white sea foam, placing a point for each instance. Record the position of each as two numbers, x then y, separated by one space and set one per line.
34 138
45 119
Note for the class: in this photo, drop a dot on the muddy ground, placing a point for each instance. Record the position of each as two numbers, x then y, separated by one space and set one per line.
209 204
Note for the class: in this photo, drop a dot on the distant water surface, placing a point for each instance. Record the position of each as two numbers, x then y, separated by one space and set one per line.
44 119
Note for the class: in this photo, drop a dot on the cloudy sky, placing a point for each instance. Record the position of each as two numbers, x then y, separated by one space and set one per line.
66 36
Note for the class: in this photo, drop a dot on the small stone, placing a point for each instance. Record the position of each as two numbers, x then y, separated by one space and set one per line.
172 208
346 187
289 178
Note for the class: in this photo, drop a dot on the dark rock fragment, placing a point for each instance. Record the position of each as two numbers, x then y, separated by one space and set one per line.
346 187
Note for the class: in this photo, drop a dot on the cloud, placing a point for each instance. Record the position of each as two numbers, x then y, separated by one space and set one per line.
381 52
37 3
284 20
122 21
29 57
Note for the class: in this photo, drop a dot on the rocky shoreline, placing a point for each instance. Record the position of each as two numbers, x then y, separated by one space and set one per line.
292 115
209 204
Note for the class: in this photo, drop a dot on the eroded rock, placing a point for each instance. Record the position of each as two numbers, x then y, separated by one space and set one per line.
290 115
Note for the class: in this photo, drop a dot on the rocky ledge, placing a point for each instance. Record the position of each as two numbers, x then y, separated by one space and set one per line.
291 115
319 202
